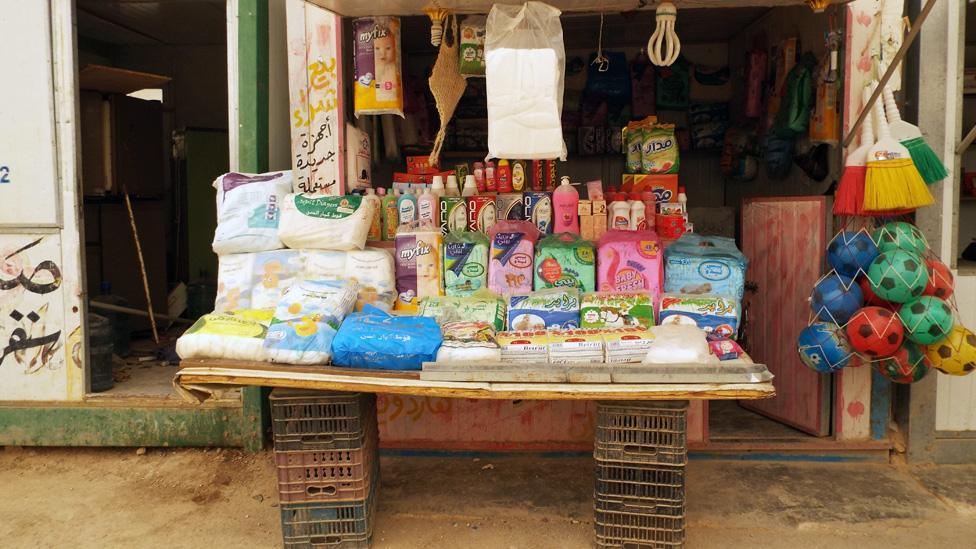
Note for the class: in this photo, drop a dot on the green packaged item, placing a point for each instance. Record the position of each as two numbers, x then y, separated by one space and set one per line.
565 260
616 309
481 307
465 263
660 154
674 86
471 53
793 117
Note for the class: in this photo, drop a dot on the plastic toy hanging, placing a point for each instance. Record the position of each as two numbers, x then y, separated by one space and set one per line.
664 47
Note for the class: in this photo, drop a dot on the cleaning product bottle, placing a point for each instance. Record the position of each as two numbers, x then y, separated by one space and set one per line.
437 186
565 205
376 227
407 207
650 206
428 204
452 186
503 175
683 199
638 219
470 187
619 216
391 215
479 177
491 185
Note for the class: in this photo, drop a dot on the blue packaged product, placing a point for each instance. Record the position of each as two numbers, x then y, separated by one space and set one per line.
697 265
538 210
380 341
712 313
554 308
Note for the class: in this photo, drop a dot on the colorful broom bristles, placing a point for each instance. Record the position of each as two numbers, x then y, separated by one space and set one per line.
849 196
926 161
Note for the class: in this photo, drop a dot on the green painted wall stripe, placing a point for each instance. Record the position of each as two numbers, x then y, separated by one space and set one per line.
252 81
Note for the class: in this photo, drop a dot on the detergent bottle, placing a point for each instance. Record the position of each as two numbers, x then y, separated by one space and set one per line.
638 216
470 186
565 205
619 213
452 186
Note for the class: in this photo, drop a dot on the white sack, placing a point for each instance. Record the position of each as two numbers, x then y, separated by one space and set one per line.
678 344
248 211
325 222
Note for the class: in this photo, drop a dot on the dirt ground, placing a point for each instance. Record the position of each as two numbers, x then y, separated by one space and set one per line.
85 498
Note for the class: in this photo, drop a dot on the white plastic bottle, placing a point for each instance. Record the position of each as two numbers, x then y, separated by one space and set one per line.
683 199
452 186
428 206
470 187
407 207
619 217
376 226
437 186
638 217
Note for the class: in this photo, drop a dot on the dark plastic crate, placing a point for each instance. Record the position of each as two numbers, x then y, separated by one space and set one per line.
314 420
647 506
333 475
642 432
660 483
635 530
340 525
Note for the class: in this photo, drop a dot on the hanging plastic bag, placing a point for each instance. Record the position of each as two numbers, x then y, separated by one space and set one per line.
472 54
673 86
710 84
525 62
793 117
377 340
376 64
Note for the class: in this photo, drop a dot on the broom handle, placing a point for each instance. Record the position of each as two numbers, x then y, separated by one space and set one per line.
883 131
891 108
867 129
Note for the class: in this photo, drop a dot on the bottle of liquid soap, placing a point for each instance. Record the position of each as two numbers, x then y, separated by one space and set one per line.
376 227
428 205
638 219
452 186
470 187
565 205
683 200
407 207
479 177
504 176
491 185
619 216
391 215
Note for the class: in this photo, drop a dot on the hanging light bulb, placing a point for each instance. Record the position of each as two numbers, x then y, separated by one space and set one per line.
663 47
437 16
818 6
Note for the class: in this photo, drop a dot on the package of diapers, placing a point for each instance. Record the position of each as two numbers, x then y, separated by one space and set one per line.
697 265
418 264
629 261
616 309
248 211
465 263
307 319
511 256
232 335
255 281
554 308
468 342
378 88
483 307
524 64
565 260
712 313
371 268
325 222
378 340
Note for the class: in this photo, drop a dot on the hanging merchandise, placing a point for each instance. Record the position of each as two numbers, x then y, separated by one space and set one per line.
793 117
358 159
674 86
778 156
524 64
740 157
643 80
376 64
849 197
929 166
446 85
249 211
708 122
664 47
755 81
824 123
710 84
606 95
824 348
565 260
472 51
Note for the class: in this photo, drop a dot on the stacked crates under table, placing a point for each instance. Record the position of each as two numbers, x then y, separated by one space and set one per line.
641 452
325 450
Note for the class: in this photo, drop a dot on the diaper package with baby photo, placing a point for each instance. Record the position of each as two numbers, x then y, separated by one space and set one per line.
248 211
465 263
696 265
565 260
616 309
232 335
378 88
306 321
712 313
554 308
629 261
511 256
371 268
325 222
418 265
482 307
255 281
468 342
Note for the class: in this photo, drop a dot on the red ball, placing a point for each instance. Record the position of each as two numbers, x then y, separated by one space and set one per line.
941 283
871 298
875 332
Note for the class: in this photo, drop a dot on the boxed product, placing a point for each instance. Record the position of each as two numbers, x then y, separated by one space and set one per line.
306 321
248 211
524 346
664 186
576 346
477 308
712 313
465 263
511 256
625 345
553 308
616 309
629 261
418 265
468 342
421 165
565 260
698 265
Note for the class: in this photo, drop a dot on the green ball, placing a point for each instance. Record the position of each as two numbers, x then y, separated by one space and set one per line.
928 320
898 276
899 235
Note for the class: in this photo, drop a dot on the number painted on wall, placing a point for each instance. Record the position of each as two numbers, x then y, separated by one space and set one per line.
4 174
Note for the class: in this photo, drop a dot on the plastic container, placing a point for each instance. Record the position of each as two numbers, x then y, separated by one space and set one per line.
391 215
437 186
565 202
319 421
406 208
100 347
428 206
479 178
451 189
332 525
618 216
471 186
332 475
504 176
376 227
491 183
635 432
638 219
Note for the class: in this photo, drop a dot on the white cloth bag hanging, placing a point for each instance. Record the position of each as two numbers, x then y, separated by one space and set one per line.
525 62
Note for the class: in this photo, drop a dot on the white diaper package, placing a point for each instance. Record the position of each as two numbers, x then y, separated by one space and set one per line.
234 335
524 63
256 280
307 319
325 222
248 211
371 268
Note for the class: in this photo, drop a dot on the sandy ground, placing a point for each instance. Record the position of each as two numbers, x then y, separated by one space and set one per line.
85 498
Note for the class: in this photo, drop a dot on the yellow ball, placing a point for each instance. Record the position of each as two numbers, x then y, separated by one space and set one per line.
956 354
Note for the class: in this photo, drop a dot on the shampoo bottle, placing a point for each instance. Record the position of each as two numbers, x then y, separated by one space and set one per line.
452 186
376 227
565 205
504 176
470 187
428 205
437 186
407 207
391 215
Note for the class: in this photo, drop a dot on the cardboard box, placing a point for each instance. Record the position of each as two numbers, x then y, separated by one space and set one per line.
400 177
599 225
599 206
587 227
584 208
664 187
420 165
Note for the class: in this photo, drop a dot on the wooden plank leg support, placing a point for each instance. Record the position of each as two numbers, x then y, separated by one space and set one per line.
641 451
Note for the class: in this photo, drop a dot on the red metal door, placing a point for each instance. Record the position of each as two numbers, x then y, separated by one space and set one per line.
784 239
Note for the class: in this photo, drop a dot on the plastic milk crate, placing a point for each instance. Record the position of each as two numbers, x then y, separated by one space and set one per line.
337 525
316 420
642 432
328 475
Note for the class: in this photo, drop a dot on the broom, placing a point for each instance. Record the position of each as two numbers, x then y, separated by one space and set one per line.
849 197
892 181
925 159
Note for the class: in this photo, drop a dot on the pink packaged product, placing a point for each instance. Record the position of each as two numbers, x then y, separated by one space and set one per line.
629 260
510 264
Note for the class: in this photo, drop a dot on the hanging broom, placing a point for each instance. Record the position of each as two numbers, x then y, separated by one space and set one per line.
927 162
849 197
892 181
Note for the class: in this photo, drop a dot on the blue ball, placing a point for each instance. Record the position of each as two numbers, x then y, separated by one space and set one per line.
823 347
851 253
836 298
